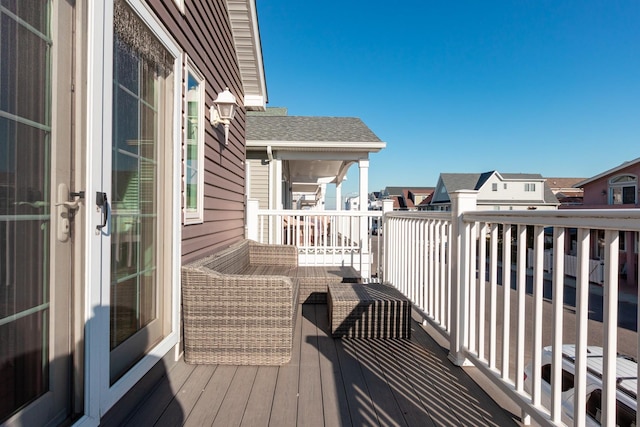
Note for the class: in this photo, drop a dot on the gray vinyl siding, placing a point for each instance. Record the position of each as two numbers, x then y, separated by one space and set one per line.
204 33
259 188
259 182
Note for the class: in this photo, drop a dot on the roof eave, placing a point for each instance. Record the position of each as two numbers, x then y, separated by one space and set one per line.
368 146
607 172
246 38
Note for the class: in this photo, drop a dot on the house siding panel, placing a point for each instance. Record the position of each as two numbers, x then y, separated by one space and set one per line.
204 33
259 185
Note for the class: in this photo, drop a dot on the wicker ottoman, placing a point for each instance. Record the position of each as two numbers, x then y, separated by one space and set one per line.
368 311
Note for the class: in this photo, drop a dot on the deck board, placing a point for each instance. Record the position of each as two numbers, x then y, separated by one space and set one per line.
334 397
261 398
162 395
206 409
186 398
235 402
285 402
310 408
329 382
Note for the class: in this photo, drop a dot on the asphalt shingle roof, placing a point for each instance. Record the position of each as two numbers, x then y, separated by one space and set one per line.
473 181
302 128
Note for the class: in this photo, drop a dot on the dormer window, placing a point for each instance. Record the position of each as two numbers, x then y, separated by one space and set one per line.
623 190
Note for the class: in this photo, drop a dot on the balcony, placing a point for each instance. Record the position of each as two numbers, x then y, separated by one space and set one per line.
329 382
490 290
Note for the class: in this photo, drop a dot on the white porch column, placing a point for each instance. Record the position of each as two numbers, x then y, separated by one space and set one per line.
275 198
365 255
339 206
461 201
252 219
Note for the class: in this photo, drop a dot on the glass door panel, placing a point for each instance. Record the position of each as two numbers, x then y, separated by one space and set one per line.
35 376
141 89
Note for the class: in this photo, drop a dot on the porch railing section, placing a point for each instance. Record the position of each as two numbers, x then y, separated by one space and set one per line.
467 271
340 238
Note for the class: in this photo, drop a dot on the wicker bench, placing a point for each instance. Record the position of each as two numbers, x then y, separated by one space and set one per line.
368 311
240 304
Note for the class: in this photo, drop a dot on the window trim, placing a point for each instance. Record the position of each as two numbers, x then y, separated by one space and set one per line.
616 182
194 216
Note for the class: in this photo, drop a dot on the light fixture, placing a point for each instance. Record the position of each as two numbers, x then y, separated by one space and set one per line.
222 111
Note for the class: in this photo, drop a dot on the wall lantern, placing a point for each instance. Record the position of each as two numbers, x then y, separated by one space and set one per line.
222 111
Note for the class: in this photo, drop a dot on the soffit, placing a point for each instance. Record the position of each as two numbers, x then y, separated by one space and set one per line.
246 37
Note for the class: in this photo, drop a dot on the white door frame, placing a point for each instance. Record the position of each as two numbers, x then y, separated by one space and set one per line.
99 395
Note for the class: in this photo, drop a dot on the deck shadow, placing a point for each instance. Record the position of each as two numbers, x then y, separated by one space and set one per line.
408 382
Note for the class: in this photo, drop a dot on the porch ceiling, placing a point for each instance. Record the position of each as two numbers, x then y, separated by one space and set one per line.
305 176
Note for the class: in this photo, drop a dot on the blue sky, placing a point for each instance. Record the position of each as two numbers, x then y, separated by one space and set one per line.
532 86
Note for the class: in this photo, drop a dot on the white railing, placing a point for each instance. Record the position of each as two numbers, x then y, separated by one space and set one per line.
339 238
467 272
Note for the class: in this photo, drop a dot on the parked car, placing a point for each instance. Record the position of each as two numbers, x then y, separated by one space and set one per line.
376 228
626 376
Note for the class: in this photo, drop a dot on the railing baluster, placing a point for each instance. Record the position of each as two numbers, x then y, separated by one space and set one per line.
482 272
493 296
521 287
472 280
610 329
582 313
506 298
558 306
538 294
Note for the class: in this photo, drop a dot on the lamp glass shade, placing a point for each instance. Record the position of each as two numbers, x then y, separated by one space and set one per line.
225 104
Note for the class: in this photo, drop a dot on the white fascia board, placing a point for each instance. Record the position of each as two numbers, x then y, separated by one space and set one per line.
255 102
319 145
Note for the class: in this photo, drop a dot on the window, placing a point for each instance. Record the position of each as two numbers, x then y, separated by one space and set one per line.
567 377
530 187
505 186
623 190
494 186
194 146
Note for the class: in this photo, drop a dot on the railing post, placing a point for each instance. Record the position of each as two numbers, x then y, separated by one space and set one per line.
387 206
252 219
461 201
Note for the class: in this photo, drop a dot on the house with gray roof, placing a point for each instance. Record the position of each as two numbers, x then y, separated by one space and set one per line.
292 159
496 191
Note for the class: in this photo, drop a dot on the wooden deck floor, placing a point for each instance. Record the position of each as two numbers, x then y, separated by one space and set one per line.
329 382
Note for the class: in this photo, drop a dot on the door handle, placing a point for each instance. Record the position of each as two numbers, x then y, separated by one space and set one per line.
65 210
102 201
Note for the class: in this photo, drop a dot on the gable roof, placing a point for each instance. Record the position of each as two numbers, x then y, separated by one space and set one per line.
303 129
474 181
608 172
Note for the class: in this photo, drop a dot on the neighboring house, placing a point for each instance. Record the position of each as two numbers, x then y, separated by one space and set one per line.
616 188
294 158
496 191
352 203
407 198
112 177
565 192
